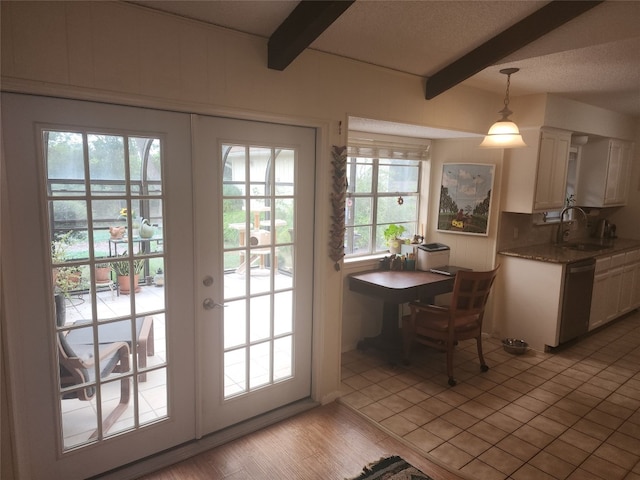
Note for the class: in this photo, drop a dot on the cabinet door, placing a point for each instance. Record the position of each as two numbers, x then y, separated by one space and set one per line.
599 300
604 173
615 174
626 289
635 296
614 284
622 187
552 170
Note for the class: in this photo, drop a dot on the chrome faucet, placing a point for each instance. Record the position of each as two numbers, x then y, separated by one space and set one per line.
561 231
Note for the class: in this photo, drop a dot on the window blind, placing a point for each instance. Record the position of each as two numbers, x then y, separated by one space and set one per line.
361 144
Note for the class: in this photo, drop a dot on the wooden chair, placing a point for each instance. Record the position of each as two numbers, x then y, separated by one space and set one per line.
443 327
78 368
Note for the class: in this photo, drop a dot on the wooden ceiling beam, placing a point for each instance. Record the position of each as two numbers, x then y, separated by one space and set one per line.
307 21
539 23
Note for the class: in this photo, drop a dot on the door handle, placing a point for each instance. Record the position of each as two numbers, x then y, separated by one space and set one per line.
209 304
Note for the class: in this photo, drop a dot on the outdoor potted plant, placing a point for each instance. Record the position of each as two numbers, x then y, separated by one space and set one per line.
121 268
65 278
393 237
103 272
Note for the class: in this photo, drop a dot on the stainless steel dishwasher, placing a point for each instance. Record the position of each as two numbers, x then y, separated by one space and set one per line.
576 299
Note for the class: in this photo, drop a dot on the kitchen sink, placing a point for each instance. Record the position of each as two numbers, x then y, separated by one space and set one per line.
585 247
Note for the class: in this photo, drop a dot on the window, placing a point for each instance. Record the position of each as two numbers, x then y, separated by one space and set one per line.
99 183
383 189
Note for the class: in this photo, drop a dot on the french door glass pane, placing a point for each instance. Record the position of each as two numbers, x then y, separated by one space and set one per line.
105 205
258 210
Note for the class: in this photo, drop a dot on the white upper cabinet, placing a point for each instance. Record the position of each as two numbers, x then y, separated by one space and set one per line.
536 175
552 170
604 173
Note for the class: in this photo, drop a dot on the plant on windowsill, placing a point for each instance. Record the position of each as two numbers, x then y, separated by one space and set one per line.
123 272
393 237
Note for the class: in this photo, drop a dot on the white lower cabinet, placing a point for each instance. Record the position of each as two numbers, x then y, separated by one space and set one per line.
635 296
614 284
626 292
529 300
529 293
598 314
630 285
616 287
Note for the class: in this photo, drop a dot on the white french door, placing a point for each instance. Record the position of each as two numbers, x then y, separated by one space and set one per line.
80 178
254 187
211 336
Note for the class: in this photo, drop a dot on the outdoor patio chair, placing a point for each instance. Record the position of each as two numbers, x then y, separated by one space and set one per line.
119 332
443 327
78 368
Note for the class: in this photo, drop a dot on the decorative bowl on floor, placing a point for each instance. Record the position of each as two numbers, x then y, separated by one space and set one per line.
512 345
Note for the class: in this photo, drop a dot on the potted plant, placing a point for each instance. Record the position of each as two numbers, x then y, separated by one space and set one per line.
103 272
65 278
123 272
393 237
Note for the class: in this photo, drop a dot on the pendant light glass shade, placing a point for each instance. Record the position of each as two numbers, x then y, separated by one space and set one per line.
504 133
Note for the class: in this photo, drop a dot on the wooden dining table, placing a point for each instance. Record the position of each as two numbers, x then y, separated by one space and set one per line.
395 288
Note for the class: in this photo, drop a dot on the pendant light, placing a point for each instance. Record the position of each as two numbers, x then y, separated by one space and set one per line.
504 133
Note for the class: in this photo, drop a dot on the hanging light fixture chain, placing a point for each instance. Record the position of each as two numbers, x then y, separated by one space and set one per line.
506 97
505 112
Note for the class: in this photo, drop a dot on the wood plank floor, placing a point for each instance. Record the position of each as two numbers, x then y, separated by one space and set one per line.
327 442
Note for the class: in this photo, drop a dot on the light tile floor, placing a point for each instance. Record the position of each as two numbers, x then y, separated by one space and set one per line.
571 414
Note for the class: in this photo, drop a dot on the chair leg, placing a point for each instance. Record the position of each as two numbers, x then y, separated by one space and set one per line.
483 366
452 381
145 345
125 395
408 335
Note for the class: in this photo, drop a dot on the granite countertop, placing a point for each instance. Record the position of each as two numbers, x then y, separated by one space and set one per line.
549 252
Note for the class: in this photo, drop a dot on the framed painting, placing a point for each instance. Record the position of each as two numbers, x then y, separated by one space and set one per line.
465 198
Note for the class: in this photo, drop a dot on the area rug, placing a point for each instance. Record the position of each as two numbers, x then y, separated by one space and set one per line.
391 468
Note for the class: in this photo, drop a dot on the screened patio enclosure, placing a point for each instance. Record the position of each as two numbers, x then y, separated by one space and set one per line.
104 198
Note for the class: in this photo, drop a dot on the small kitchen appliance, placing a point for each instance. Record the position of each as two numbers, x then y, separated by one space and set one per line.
432 255
603 229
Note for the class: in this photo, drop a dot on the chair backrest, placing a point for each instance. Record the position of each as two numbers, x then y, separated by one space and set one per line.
471 291
72 371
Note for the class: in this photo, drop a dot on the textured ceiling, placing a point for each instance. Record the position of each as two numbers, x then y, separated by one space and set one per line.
594 58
